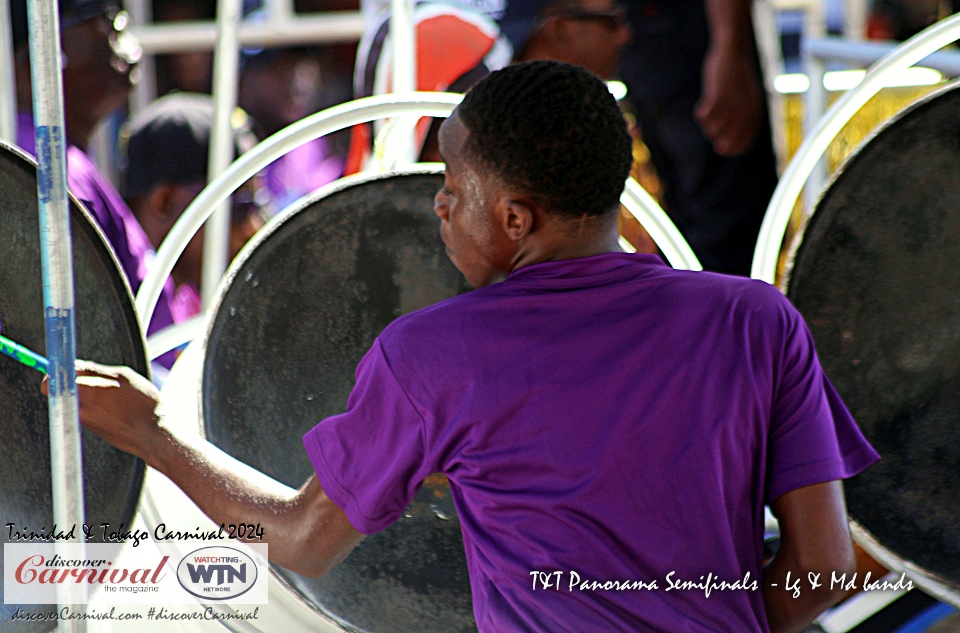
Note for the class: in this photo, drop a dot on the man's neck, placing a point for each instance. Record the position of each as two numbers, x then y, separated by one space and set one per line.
562 238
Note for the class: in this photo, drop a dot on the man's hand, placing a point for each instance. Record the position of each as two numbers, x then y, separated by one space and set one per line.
119 405
306 531
731 101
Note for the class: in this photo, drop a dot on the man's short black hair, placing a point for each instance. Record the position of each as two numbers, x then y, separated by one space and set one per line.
553 131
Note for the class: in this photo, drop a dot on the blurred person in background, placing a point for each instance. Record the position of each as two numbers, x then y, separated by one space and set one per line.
460 43
695 84
694 81
97 58
588 33
188 71
457 44
902 19
168 146
279 86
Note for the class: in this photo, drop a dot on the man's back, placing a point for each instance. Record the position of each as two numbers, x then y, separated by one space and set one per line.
607 418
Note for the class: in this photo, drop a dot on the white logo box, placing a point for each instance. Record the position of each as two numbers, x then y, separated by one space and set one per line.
152 573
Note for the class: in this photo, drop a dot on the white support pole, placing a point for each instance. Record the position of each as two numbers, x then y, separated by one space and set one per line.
815 100
145 89
216 237
815 104
331 27
404 46
771 62
279 11
57 274
855 19
404 72
8 86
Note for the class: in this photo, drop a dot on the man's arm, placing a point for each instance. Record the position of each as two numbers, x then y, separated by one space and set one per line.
306 531
731 99
814 543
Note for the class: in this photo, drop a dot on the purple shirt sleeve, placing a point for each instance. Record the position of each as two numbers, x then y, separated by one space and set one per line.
813 438
370 460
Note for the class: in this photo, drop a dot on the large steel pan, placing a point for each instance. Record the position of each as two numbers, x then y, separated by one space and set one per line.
299 309
877 277
107 330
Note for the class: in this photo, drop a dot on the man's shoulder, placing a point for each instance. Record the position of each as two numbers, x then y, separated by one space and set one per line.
431 321
747 307
723 287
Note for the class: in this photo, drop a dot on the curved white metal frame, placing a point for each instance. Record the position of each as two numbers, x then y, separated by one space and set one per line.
638 202
661 229
170 338
787 193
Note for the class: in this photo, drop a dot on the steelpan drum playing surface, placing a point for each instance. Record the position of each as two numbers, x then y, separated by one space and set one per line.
877 277
107 331
293 321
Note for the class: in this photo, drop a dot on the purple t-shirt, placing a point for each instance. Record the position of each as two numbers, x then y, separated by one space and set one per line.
120 227
608 417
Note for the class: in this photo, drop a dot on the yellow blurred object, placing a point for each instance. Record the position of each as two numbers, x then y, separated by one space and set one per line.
882 107
644 173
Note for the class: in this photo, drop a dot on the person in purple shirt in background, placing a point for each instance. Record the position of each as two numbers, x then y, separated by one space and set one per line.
167 149
611 428
277 87
96 81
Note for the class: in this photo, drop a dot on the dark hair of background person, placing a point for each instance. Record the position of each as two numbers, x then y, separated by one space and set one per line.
553 131
169 142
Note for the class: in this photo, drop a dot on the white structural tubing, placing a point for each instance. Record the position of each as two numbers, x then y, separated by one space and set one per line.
661 229
177 37
56 254
8 103
801 166
226 59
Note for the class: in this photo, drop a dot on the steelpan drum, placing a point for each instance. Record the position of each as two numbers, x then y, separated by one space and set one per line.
107 331
295 316
877 277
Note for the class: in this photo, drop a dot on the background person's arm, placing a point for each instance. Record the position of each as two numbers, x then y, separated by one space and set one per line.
306 531
814 539
731 99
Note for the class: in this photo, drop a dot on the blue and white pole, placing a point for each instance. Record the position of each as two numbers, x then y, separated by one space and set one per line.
56 251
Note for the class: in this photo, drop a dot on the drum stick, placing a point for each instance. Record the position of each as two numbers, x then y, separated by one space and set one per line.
20 353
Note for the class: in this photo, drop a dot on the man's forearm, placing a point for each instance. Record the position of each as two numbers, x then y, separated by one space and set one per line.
306 531
730 25
228 491
792 604
814 543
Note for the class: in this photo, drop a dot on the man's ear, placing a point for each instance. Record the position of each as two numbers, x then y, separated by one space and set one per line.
155 212
516 216
160 204
557 33
547 41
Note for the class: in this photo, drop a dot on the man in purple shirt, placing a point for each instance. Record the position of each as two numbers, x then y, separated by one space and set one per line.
611 428
96 81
